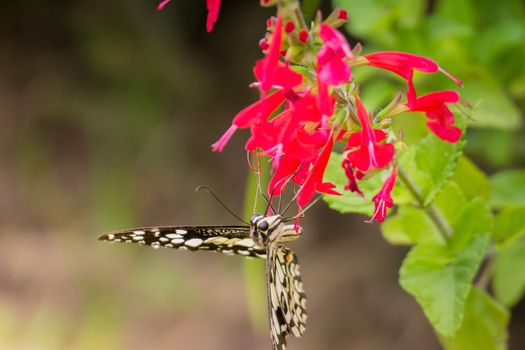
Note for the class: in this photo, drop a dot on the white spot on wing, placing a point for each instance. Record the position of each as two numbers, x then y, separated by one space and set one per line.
216 240
177 241
173 235
181 231
246 242
193 243
139 232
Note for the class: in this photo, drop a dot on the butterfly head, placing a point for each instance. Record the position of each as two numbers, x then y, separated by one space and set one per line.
261 227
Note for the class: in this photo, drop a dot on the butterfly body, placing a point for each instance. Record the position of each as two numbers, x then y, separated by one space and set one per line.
263 239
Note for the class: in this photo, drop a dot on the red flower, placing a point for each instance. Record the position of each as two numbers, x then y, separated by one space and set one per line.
269 71
331 65
370 154
259 110
286 134
383 200
314 182
404 64
213 11
440 117
352 178
324 100
284 172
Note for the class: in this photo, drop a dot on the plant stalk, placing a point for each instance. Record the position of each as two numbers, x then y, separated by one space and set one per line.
430 210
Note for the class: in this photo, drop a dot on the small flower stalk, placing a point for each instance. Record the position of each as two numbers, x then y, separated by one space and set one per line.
309 102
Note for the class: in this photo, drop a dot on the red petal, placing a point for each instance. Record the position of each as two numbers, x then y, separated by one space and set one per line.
354 140
261 109
307 191
360 159
383 154
435 100
284 172
213 13
401 63
265 73
379 135
286 78
445 132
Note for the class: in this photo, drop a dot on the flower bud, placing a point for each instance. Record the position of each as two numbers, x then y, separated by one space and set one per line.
289 27
337 18
263 44
304 36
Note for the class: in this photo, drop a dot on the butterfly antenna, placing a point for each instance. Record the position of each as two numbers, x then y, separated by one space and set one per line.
301 213
201 188
296 194
256 169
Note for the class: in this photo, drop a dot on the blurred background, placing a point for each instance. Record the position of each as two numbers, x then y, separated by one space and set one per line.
108 110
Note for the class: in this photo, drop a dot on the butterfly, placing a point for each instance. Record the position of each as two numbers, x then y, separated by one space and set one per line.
262 238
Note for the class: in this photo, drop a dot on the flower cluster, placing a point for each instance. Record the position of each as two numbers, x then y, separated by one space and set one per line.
308 102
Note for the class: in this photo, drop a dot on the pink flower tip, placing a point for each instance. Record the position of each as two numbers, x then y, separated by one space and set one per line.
219 145
162 4
343 15
456 80
383 200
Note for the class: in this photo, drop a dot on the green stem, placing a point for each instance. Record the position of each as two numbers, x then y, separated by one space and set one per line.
254 270
430 210
486 274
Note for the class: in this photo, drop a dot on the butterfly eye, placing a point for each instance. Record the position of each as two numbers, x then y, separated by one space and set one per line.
254 218
263 225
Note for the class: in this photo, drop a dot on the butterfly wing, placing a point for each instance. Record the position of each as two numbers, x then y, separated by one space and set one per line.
225 239
286 297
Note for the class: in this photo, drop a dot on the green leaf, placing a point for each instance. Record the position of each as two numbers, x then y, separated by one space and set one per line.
440 280
476 218
451 202
509 273
484 326
430 164
508 188
496 109
472 181
370 17
350 202
410 226
510 224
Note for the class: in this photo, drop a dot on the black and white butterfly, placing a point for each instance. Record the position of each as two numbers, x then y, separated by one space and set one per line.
263 238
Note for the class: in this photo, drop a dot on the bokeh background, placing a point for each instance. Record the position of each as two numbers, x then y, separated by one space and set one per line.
108 110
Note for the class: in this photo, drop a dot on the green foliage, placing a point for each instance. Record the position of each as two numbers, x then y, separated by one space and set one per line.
440 278
484 325
445 203
350 202
430 164
455 33
478 41
409 226
439 275
508 188
509 273
510 224
472 181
